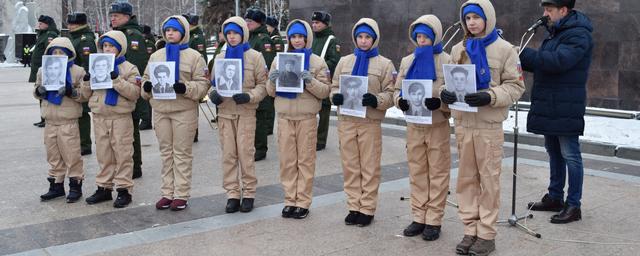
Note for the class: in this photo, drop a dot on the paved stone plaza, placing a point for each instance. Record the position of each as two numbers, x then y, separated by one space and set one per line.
611 203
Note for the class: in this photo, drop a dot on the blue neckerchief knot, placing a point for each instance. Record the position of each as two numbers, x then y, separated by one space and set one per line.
475 48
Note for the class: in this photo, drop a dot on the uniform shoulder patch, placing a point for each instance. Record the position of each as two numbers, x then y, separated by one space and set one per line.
86 50
134 45
337 48
267 47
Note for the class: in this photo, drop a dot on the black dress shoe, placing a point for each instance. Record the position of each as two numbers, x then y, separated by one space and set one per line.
431 233
300 213
364 220
137 173
287 211
568 214
40 125
85 152
320 147
246 205
547 204
233 205
352 218
413 229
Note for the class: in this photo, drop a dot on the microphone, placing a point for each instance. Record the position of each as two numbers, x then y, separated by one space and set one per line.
541 21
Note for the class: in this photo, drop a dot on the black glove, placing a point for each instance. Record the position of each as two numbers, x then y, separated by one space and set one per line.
147 86
86 77
241 98
41 91
337 99
179 88
432 103
448 97
114 76
369 100
215 97
403 104
478 99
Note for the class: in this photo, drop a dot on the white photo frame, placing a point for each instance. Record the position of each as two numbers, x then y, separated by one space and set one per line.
461 80
227 76
162 76
414 91
352 88
100 68
54 71
290 65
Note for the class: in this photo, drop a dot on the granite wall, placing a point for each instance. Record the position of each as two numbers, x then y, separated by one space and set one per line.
614 79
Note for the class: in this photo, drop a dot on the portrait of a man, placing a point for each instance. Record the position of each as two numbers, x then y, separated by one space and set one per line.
54 72
164 83
290 66
416 98
288 77
228 80
352 88
460 81
101 69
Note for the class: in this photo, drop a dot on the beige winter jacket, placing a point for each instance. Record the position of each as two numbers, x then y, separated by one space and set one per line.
125 85
71 108
192 74
438 115
307 104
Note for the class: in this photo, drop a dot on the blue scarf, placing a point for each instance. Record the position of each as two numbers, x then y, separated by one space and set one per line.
53 96
475 48
307 56
361 67
111 98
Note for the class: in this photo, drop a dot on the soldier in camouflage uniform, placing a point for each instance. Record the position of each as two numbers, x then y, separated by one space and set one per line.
122 19
324 38
197 41
84 42
47 31
260 40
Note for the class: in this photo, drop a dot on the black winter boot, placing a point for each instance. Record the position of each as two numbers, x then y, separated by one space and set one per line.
123 199
75 190
55 190
101 195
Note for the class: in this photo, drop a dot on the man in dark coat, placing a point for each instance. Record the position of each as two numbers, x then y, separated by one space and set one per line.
558 100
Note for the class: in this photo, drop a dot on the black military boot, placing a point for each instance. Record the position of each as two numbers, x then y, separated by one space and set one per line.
233 205
55 190
414 229
101 195
546 204
123 199
246 205
75 190
431 233
568 214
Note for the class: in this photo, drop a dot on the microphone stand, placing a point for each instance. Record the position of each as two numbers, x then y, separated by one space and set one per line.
514 219
455 25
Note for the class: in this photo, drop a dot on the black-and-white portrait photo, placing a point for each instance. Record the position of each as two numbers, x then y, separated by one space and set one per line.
290 66
100 67
352 88
228 76
162 78
54 71
415 91
461 80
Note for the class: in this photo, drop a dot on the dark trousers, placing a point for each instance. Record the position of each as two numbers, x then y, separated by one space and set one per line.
565 157
262 125
323 124
85 128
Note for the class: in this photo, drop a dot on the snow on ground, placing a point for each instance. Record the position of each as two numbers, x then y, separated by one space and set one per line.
10 65
621 132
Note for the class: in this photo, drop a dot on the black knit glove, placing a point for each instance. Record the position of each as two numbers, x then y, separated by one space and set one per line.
241 98
448 97
86 77
179 88
478 99
337 99
215 97
114 76
369 100
432 103
403 104
147 86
